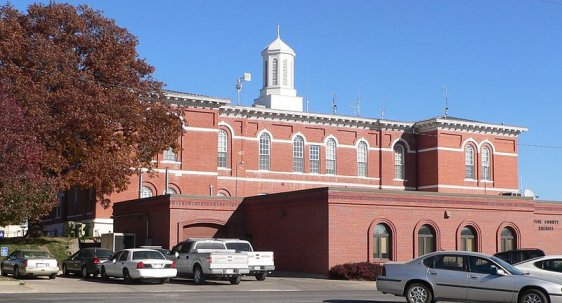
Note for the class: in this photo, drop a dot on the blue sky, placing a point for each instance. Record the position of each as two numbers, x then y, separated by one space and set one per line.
501 60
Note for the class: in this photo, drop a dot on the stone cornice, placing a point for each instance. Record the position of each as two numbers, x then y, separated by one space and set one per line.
468 126
260 113
193 100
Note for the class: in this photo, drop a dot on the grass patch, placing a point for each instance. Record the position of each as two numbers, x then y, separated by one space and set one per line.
56 246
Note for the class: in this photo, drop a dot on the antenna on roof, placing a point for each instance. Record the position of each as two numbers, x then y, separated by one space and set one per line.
446 94
358 104
334 106
382 108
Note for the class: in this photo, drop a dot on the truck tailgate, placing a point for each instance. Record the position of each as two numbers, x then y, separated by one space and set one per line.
233 260
260 258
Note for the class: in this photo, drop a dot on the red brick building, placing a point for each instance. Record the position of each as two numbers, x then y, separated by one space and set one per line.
323 189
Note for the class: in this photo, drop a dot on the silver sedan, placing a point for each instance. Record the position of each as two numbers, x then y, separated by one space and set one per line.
549 267
464 276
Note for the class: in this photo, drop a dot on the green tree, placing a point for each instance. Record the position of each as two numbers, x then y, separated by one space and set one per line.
97 111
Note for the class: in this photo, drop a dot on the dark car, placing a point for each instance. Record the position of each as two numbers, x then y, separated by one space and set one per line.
519 255
86 261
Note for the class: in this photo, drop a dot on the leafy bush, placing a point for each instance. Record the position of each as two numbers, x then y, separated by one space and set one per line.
356 271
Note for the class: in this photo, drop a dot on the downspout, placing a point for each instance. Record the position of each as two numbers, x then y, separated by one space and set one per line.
380 155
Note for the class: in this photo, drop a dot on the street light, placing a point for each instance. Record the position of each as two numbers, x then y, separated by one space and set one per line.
247 78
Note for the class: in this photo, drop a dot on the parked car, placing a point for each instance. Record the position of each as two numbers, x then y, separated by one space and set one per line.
519 255
204 259
464 276
86 261
260 263
549 267
30 262
137 264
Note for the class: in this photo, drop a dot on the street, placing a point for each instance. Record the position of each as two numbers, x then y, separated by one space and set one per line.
274 289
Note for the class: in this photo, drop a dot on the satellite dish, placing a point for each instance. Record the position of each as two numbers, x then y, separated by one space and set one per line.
528 193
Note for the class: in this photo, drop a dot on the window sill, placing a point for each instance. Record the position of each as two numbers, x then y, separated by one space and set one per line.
487 181
400 180
170 162
224 168
470 180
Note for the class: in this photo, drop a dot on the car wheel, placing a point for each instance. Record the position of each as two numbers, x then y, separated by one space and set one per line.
533 296
52 276
84 271
65 271
16 272
4 273
127 277
235 280
261 276
104 275
418 293
198 277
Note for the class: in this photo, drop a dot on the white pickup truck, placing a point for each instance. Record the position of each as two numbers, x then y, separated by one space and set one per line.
260 263
204 259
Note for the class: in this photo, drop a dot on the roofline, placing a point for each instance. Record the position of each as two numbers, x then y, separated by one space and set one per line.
436 123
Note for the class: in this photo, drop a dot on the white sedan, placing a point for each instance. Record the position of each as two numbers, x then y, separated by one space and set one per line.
548 267
137 264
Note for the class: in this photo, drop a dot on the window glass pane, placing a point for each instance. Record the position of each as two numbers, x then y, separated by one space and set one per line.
222 149
314 157
331 156
264 151
450 262
169 155
298 154
469 162
481 266
362 159
146 192
399 162
486 173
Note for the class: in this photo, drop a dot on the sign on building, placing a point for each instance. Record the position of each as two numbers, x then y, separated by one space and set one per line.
4 251
1 234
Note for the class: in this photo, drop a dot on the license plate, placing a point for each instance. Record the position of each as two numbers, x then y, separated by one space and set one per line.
257 267
158 265
41 265
230 271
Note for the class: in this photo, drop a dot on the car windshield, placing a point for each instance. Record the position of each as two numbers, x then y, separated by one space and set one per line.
238 246
36 254
512 270
147 254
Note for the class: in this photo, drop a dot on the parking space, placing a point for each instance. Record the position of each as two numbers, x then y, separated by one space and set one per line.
74 284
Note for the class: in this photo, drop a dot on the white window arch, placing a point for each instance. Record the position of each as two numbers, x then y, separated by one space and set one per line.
362 159
265 151
486 164
469 162
331 156
399 160
298 154
222 149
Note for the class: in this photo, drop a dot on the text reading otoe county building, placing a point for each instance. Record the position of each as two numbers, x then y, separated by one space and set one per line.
321 190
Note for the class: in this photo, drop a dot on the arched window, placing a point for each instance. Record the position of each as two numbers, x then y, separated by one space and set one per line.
285 72
468 239
399 162
265 70
298 154
146 192
172 191
274 70
222 149
426 240
265 151
382 237
486 161
508 240
169 155
469 161
362 159
331 156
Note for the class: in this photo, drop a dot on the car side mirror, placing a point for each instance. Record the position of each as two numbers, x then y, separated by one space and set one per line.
177 254
501 272
113 261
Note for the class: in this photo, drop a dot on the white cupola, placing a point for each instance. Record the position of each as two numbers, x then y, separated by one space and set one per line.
278 91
